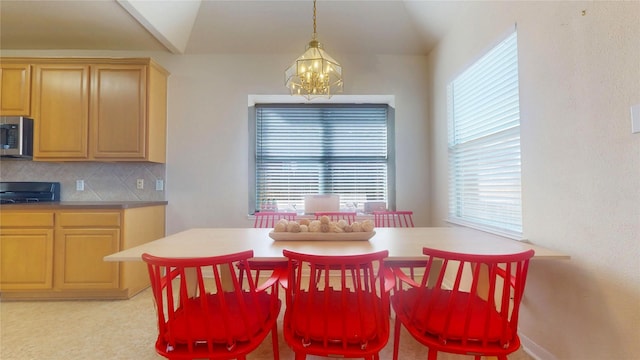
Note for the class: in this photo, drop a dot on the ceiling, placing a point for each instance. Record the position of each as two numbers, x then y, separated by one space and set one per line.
404 27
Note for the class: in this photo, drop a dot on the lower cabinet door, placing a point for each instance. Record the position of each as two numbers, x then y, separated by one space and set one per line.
26 259
79 258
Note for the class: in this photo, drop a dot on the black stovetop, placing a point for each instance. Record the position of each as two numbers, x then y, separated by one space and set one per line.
27 192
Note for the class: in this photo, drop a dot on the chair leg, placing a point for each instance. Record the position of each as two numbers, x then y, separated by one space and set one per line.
274 339
396 338
300 356
432 355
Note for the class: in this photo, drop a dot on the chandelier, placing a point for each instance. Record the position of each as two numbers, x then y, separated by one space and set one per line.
314 73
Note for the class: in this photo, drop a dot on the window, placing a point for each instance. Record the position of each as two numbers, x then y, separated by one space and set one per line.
484 143
303 149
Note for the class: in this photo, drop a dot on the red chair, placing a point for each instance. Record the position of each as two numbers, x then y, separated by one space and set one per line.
350 217
401 219
205 312
337 306
270 219
473 310
266 219
393 219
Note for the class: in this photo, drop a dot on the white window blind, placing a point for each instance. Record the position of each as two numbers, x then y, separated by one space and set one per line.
320 149
484 143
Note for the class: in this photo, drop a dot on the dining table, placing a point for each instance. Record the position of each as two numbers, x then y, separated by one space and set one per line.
402 243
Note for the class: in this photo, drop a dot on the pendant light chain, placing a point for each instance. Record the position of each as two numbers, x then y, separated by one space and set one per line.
314 19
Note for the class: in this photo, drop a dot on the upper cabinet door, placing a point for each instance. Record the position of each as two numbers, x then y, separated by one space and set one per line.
15 89
118 120
61 111
89 109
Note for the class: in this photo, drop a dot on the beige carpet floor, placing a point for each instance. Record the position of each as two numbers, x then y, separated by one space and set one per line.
121 329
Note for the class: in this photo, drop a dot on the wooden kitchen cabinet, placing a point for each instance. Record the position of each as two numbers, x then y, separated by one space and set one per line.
58 253
128 112
15 89
61 111
82 240
118 111
26 250
98 109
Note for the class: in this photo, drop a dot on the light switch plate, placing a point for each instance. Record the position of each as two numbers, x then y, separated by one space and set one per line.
635 119
159 185
79 185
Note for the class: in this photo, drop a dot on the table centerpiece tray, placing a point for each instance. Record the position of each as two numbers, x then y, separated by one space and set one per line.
328 236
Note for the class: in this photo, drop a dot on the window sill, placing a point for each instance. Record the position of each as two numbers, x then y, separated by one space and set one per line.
504 233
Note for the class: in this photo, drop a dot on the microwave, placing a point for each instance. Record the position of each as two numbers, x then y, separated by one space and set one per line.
16 137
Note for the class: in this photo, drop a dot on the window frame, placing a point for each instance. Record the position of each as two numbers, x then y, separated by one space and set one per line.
502 135
391 161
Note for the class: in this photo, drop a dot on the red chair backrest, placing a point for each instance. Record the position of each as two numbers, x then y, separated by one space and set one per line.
474 306
203 309
337 304
393 218
270 219
350 217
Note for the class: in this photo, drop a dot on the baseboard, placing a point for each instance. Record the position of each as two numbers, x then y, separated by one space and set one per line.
534 350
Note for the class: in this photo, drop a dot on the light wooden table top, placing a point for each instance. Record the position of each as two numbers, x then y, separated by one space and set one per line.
402 243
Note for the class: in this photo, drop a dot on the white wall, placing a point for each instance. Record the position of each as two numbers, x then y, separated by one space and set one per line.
207 156
207 164
579 75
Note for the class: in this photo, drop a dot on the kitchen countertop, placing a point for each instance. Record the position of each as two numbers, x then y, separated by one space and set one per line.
83 205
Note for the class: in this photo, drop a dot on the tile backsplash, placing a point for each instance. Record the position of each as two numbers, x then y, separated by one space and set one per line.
102 181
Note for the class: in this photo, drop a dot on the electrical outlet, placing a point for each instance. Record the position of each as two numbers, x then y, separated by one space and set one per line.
159 185
79 185
140 184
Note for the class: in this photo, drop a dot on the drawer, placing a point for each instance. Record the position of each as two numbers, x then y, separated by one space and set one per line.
83 219
26 219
